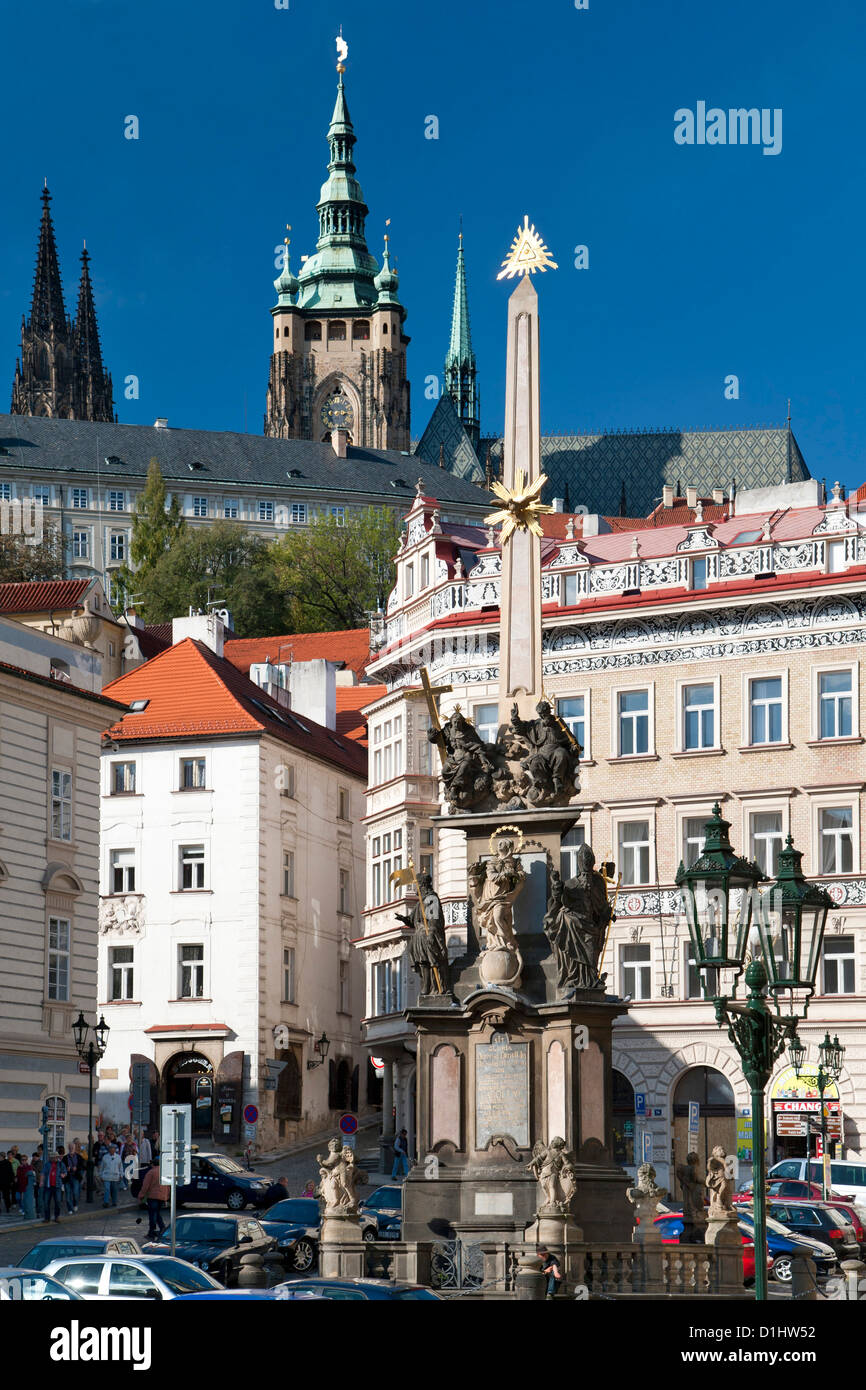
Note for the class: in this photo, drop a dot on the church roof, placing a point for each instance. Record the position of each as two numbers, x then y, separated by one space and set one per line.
445 438
75 448
460 344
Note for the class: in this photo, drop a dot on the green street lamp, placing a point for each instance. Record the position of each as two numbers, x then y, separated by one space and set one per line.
780 933
831 1055
90 1051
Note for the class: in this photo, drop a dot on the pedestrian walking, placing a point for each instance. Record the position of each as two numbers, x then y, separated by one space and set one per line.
37 1169
111 1172
155 1193
145 1152
550 1267
52 1187
276 1192
7 1180
400 1166
74 1174
26 1183
129 1162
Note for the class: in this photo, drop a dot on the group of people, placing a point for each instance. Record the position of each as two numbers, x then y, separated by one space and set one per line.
38 1187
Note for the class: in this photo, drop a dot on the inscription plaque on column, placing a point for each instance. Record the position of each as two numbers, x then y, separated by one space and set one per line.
502 1091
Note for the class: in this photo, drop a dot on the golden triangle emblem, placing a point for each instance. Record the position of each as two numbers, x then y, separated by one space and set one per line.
528 253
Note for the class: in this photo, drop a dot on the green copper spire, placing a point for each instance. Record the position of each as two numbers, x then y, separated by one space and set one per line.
460 369
340 273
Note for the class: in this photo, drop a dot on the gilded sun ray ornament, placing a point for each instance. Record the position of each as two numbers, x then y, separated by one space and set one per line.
522 507
528 253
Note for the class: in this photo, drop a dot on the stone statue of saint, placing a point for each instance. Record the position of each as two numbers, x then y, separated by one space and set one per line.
553 1166
720 1186
468 768
340 1179
578 913
694 1193
493 886
645 1197
550 756
428 950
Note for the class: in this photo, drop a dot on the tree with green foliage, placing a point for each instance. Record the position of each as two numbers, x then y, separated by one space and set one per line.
25 557
222 564
334 573
155 529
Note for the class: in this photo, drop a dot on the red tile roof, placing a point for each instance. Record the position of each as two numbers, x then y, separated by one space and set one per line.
191 692
351 648
351 699
43 595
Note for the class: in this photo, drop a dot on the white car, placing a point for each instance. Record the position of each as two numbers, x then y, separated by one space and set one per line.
31 1286
153 1277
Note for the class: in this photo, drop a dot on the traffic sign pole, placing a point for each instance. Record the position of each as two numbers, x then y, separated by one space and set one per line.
173 1214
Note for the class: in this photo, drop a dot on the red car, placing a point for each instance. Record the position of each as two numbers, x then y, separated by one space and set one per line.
671 1225
790 1187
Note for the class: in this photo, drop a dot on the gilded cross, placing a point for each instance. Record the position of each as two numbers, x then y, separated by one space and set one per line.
428 693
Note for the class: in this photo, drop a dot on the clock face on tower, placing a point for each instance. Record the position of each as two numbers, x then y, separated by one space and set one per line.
337 414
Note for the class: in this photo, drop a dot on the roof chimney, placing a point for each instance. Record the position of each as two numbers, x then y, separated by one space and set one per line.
667 495
719 495
161 423
208 628
339 439
691 497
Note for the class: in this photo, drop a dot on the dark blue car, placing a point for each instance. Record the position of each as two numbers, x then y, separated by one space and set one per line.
215 1177
366 1290
385 1206
780 1243
294 1225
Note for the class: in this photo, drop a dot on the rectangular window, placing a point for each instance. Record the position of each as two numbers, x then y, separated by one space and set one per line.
409 581
568 590
116 500
699 717
385 860
343 813
835 699
339 515
699 577
193 773
343 1007
266 511
122 873
287 779
122 778
117 545
425 571
5 492
41 493
426 863
191 867
190 971
299 513
694 834
568 847
765 710
61 804
288 974
839 965
835 557
78 496
765 840
692 975
388 987
572 712
486 719
230 508
80 545
836 831
636 970
345 897
199 506
633 708
58 958
120 972
634 851
388 756
288 873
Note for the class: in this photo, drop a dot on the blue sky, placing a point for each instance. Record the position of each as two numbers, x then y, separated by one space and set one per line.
704 261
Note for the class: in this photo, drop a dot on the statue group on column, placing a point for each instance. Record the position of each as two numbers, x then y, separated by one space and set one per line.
532 762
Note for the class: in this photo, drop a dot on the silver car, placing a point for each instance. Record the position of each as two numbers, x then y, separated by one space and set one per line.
19 1285
113 1277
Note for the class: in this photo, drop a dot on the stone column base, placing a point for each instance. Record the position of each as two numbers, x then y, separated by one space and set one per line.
723 1235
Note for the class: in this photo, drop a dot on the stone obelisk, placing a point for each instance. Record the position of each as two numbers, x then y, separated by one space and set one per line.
520 632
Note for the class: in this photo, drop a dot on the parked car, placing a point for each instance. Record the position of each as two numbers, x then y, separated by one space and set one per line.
216 1243
385 1206
64 1247
854 1216
371 1290
784 1245
115 1277
19 1285
215 1177
282 1293
788 1187
845 1176
820 1221
671 1226
295 1224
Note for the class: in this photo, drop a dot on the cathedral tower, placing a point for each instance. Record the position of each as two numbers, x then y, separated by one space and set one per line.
339 352
461 376
60 372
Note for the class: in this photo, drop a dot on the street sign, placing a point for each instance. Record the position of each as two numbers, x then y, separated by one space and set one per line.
84 1068
270 1083
640 1102
175 1129
646 1147
694 1125
140 1077
249 1133
251 1114
348 1124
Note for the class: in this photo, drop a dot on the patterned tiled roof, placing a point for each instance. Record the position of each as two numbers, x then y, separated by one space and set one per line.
43 595
445 428
351 648
351 700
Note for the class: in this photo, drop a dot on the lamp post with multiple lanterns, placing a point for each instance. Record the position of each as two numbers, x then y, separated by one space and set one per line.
90 1050
779 933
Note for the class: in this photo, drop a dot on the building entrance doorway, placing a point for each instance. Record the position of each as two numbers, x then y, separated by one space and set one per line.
188 1080
717 1116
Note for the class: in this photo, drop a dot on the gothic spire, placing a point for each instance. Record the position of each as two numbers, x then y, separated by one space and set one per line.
92 386
460 367
47 310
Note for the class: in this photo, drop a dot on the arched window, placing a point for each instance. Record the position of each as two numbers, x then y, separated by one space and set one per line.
623 1119
716 1114
313 331
56 1122
285 330
337 331
385 328
361 330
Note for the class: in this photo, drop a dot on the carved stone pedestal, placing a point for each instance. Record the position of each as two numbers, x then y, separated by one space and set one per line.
725 1238
341 1249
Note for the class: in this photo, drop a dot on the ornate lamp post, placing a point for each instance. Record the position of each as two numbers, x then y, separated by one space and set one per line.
830 1058
728 921
90 1050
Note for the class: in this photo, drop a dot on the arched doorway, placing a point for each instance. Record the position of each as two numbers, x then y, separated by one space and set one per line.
623 1120
188 1080
717 1116
287 1097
